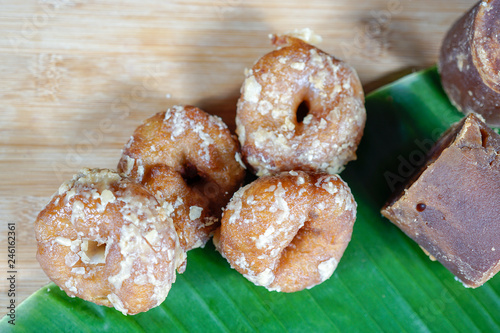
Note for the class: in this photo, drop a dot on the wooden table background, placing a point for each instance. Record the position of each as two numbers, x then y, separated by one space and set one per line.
77 76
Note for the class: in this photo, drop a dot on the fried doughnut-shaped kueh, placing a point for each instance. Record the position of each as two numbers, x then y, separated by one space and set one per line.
272 134
185 203
106 239
287 232
199 147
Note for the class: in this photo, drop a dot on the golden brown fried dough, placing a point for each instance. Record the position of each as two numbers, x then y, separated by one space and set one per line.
201 149
288 232
273 137
106 239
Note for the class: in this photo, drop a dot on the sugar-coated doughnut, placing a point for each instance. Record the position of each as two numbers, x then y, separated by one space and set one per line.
288 232
107 240
202 150
273 138
185 203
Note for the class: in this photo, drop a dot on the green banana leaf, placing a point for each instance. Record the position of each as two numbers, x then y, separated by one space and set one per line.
384 282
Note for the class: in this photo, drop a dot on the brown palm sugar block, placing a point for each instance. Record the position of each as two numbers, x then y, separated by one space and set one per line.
469 62
451 207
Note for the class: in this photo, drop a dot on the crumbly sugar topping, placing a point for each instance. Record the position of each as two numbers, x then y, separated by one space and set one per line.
266 238
96 178
117 303
70 284
63 241
83 257
78 211
326 268
264 107
140 170
216 120
236 204
240 129
195 212
280 204
342 115
306 34
129 165
264 278
144 236
152 237
237 157
251 89
328 186
298 66
179 256
129 143
78 270
140 247
261 264
65 187
271 188
71 259
129 245
342 193
316 59
180 123
242 263
106 197
208 221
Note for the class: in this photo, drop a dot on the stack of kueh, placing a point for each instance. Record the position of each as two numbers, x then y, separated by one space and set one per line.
117 238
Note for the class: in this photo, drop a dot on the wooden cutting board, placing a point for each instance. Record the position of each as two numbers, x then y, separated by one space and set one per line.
77 76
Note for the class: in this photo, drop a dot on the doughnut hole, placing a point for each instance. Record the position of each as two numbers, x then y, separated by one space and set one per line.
93 252
199 181
190 174
302 111
192 216
310 110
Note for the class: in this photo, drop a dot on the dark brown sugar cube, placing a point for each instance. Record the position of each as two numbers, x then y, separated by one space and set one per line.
469 62
451 207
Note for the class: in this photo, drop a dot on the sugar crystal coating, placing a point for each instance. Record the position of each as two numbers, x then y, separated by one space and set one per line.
273 139
288 232
106 239
190 161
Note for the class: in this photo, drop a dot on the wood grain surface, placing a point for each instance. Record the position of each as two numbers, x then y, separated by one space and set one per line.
77 77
